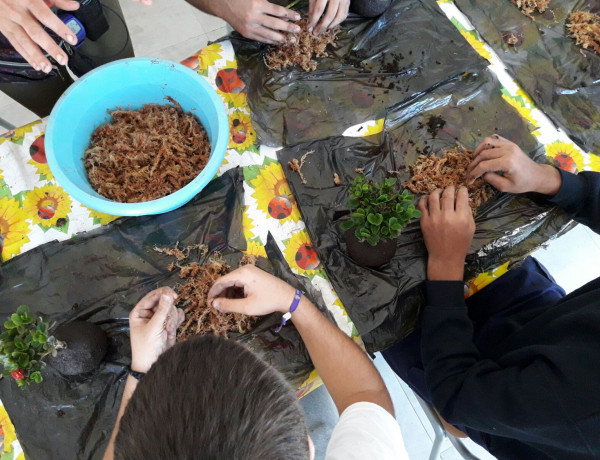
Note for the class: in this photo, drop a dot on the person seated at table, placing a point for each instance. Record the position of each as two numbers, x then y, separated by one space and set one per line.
212 398
516 366
268 22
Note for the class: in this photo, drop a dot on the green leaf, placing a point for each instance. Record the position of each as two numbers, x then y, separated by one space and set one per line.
23 310
36 376
375 219
385 231
417 214
16 319
23 360
373 240
364 232
347 225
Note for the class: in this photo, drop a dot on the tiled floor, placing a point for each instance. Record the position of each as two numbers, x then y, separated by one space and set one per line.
172 29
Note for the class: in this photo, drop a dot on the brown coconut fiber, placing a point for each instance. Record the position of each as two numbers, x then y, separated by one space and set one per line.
433 172
192 292
584 27
146 154
301 53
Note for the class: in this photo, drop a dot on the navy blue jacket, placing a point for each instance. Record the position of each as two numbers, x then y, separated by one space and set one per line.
533 391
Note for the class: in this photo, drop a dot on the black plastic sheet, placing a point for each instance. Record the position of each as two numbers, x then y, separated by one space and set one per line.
562 78
378 63
99 276
384 303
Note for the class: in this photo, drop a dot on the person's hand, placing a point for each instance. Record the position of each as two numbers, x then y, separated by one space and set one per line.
20 24
337 11
505 166
153 326
262 293
260 20
448 226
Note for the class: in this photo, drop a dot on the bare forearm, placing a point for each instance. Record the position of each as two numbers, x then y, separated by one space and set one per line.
130 386
208 6
347 372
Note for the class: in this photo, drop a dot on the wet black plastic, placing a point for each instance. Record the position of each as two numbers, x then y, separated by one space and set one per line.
384 303
562 78
99 276
379 63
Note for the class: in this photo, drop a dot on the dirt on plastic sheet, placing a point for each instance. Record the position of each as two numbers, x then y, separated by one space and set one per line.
99 276
384 303
561 77
377 64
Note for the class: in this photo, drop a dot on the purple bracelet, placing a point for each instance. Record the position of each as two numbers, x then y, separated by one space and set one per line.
293 307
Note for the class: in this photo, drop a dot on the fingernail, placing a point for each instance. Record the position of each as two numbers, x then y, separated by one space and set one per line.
216 305
292 40
61 59
166 298
310 29
46 68
72 39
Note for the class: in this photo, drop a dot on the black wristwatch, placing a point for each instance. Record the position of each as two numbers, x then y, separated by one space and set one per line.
135 374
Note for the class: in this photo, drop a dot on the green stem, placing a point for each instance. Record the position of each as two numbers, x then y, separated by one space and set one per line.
294 3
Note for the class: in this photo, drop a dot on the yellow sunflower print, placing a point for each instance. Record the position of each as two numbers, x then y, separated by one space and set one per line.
45 205
8 430
522 94
14 227
300 254
594 162
483 279
471 37
100 217
209 55
255 248
374 129
241 133
273 194
525 112
311 383
248 225
565 156
16 135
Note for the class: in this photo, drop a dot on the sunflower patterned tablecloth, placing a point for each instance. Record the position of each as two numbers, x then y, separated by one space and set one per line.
34 209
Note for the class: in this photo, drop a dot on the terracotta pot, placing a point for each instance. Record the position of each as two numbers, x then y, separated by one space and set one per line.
370 256
86 347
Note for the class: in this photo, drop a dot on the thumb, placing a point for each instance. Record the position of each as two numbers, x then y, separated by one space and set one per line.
497 181
162 312
225 305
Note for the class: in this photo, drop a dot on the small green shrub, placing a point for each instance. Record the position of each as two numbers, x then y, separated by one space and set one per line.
24 344
378 211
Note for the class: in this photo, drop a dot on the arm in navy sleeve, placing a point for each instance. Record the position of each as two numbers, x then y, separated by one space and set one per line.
579 196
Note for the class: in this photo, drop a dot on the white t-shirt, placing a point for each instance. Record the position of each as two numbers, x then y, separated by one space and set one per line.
366 431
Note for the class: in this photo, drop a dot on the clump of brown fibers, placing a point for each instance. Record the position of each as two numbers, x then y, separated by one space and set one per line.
146 154
201 318
433 172
528 7
584 27
301 53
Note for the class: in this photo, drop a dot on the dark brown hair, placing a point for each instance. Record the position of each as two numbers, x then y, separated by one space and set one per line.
211 398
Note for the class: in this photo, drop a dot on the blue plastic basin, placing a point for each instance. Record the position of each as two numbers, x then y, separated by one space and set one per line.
129 84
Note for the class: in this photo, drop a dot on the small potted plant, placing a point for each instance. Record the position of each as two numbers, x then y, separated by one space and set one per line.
26 344
378 212
23 346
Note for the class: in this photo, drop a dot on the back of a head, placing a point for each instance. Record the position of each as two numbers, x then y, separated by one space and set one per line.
211 398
